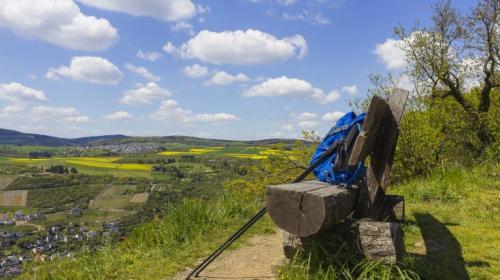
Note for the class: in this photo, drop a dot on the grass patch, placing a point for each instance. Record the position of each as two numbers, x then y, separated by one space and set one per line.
66 198
113 198
453 223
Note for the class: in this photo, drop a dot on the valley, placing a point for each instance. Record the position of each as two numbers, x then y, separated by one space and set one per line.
57 201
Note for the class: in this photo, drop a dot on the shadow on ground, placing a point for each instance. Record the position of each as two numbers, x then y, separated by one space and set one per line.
443 258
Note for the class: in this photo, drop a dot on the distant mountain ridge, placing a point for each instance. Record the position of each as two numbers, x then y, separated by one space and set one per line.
13 137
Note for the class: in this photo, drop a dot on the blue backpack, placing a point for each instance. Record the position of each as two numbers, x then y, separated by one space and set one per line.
334 170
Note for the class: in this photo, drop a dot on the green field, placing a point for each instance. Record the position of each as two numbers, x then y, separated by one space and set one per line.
113 198
6 180
62 198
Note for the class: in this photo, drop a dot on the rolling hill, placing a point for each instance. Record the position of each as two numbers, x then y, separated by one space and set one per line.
12 137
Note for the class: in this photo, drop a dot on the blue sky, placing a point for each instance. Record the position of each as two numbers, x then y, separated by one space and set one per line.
232 69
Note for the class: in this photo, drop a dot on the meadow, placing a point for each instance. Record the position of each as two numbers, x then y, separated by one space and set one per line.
452 223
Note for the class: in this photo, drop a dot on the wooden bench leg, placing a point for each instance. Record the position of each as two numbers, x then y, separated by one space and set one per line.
292 245
382 241
378 241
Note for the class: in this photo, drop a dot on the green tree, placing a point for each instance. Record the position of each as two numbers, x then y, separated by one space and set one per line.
456 49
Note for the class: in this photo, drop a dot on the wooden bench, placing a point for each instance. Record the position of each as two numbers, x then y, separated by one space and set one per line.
309 208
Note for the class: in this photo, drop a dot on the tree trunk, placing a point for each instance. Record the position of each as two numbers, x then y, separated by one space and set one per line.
484 133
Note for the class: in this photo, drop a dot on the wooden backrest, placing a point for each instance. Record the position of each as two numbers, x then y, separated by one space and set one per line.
378 140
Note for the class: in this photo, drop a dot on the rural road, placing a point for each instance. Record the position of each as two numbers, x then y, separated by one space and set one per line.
259 258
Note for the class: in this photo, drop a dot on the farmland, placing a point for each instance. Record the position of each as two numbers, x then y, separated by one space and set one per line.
109 193
114 186
238 152
6 180
141 164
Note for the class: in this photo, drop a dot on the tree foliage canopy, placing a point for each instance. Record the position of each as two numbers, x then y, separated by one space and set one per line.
457 53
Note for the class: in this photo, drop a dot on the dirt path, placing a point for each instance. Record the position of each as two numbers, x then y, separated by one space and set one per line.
259 258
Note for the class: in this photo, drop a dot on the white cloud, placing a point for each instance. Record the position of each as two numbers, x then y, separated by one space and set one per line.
308 16
391 54
170 49
222 78
239 47
307 116
287 2
91 69
306 120
214 118
203 10
183 26
171 111
287 127
405 82
195 71
151 56
471 72
58 114
167 10
308 124
284 86
352 90
16 92
333 96
144 94
119 115
12 109
58 22
332 116
143 72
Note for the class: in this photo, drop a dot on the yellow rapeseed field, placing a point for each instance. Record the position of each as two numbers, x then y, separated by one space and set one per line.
97 159
259 154
249 156
108 162
98 162
135 166
193 151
